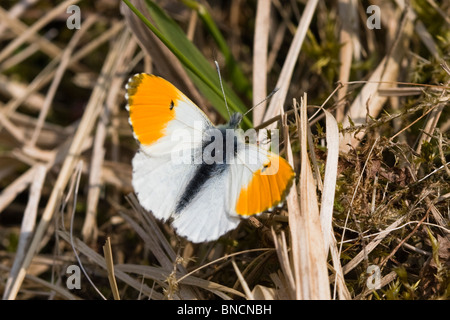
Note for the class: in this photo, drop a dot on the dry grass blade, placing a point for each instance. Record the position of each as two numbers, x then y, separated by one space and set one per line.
17 10
289 64
126 48
348 13
313 275
308 252
386 201
242 281
48 72
151 234
431 122
110 268
364 253
59 290
421 30
327 203
372 245
13 130
263 293
222 258
21 183
157 274
100 261
296 223
369 102
15 89
37 42
285 263
260 48
16 187
149 231
391 276
64 62
62 7
28 223
74 189
339 282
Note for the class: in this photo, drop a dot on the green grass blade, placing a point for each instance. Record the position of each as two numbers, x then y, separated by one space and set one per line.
203 75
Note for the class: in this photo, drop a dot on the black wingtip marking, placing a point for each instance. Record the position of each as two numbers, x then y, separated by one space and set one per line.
171 105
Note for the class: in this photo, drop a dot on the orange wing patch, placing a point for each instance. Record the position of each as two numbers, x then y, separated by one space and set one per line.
267 188
151 102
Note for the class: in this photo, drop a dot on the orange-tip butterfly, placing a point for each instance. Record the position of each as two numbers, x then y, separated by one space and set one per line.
202 177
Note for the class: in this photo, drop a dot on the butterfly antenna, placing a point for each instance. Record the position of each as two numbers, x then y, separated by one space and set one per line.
265 99
221 86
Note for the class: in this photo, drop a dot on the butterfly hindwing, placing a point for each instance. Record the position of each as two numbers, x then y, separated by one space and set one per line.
206 218
159 183
259 181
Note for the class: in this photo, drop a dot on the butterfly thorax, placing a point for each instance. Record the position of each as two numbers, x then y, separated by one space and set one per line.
219 147
235 120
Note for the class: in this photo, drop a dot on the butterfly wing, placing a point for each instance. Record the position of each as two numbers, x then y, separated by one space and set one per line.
259 180
205 218
160 113
167 125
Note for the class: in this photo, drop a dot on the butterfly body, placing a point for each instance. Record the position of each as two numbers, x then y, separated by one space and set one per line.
202 177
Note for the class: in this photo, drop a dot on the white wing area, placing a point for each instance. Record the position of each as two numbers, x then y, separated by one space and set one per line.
183 132
159 183
205 218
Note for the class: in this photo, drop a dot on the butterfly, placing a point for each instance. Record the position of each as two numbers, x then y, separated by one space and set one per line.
203 178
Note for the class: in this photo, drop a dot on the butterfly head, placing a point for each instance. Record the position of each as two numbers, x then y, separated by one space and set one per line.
235 120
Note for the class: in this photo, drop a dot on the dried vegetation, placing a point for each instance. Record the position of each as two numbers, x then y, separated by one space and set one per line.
372 192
